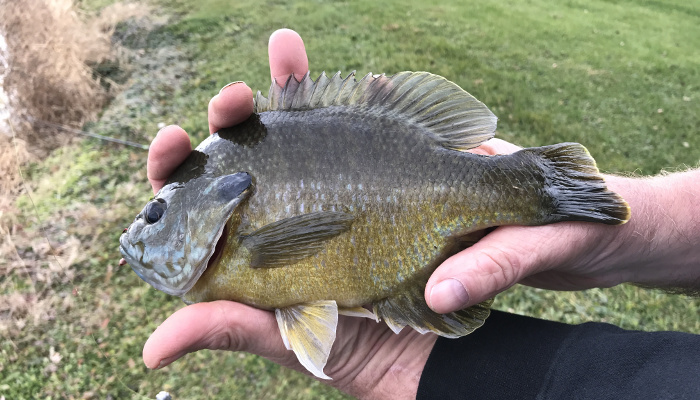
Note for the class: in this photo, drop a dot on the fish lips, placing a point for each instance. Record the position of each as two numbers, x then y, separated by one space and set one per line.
173 260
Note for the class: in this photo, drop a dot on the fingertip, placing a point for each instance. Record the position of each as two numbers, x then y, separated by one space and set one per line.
165 343
217 325
492 265
168 150
287 55
167 135
447 296
231 106
283 32
461 281
445 291
495 146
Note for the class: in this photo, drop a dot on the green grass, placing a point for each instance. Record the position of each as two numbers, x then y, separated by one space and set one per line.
596 72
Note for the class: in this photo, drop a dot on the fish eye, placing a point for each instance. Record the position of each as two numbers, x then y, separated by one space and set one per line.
154 211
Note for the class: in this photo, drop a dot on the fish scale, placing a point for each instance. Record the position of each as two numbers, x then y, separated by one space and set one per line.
339 193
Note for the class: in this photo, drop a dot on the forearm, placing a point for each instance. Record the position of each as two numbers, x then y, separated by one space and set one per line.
660 245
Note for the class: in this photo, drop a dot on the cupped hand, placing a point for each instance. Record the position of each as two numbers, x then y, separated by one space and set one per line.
561 256
366 357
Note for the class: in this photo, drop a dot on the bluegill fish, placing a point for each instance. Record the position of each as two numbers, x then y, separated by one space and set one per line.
338 194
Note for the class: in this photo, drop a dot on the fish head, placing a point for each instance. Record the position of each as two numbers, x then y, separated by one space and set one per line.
172 239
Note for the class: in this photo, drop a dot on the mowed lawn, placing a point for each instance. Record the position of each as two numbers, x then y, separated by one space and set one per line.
620 77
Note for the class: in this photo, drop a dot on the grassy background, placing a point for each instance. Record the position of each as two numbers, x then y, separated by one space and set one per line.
620 77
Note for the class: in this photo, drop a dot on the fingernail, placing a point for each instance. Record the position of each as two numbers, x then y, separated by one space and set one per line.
230 84
167 361
448 295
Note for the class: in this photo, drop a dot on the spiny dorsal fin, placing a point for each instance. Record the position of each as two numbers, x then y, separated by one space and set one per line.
453 117
309 330
408 307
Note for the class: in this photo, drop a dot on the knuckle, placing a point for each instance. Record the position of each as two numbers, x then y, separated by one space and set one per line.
500 268
223 335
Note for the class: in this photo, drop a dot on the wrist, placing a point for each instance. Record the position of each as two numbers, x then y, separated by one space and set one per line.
660 245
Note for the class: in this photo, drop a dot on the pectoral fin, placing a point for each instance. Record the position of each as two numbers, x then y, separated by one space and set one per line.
309 330
290 240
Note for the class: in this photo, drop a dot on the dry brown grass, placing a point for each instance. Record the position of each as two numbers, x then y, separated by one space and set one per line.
51 48
48 76
26 256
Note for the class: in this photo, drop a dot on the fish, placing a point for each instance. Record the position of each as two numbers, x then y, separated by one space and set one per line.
340 196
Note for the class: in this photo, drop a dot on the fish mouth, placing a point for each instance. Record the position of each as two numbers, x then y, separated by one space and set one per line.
127 258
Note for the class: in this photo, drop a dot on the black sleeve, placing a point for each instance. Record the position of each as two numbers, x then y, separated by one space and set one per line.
516 357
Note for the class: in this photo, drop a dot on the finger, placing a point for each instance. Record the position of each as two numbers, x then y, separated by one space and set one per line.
287 56
233 105
168 150
492 265
495 146
218 325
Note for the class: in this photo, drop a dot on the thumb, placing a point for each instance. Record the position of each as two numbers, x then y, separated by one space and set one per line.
496 262
218 325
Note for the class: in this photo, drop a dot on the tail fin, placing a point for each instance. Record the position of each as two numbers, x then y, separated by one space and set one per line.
578 188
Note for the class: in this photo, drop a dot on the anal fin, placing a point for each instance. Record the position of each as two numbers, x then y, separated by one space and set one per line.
410 309
309 331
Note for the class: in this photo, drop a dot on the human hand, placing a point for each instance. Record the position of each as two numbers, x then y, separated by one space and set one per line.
366 357
562 256
658 247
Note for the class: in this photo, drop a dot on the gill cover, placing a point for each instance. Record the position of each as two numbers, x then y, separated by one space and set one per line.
171 240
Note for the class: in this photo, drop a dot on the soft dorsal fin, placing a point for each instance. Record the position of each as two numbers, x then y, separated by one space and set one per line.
453 117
